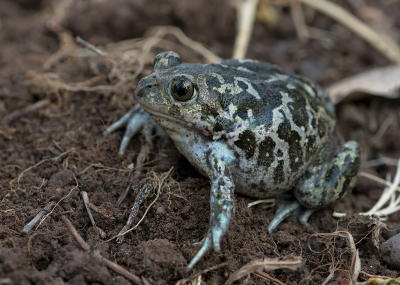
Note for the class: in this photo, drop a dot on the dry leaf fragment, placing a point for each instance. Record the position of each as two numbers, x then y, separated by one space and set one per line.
266 264
383 82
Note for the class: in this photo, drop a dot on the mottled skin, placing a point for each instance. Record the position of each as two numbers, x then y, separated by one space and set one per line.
251 128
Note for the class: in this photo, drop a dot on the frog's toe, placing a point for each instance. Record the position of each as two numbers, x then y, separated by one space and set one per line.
216 238
135 124
288 206
207 245
135 120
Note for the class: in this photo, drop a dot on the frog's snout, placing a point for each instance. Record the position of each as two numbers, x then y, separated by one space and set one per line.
143 89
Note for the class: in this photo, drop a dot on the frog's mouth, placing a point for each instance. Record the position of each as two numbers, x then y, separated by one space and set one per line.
163 119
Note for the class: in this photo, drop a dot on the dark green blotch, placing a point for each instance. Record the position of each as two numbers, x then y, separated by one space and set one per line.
310 146
295 150
279 176
293 138
247 143
298 110
314 123
266 152
223 124
213 82
173 60
284 128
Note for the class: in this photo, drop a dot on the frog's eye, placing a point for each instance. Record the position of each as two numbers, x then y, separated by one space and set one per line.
182 89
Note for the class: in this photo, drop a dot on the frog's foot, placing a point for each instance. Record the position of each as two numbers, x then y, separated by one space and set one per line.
222 207
214 236
219 223
288 206
135 120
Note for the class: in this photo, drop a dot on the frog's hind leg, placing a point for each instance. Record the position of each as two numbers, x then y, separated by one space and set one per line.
324 183
327 182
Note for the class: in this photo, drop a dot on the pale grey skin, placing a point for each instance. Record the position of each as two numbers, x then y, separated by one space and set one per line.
251 128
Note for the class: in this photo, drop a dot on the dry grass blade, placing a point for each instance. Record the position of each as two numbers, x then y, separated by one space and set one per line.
381 42
260 265
196 46
299 22
246 15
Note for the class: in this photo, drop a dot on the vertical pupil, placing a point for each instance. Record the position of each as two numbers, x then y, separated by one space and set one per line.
181 88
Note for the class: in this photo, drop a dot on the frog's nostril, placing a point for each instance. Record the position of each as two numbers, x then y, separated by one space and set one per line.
141 92
148 86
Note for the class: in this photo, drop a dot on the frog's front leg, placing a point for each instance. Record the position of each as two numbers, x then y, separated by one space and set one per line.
222 204
135 120
324 183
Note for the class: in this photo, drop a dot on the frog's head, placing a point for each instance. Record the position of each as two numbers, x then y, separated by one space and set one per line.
176 95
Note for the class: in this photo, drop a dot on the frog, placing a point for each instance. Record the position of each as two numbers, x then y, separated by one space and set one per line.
252 129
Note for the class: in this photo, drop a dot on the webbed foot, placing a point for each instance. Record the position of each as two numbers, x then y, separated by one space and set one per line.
135 120
288 206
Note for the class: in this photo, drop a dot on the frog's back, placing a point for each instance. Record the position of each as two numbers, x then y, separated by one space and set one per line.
274 121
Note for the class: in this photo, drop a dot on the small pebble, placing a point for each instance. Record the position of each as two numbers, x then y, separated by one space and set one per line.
390 252
160 210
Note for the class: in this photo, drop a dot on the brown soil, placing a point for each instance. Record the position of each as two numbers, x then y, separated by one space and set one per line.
161 246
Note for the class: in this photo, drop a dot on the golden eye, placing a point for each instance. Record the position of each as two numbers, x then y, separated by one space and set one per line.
182 89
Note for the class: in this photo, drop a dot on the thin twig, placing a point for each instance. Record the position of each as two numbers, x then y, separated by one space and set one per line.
382 129
143 154
380 161
272 201
148 208
143 192
91 47
66 196
268 277
375 276
377 179
22 112
81 242
183 281
86 202
39 163
38 217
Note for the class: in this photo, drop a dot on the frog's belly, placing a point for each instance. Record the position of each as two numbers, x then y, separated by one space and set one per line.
261 182
251 179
